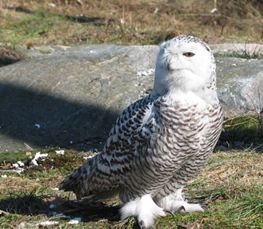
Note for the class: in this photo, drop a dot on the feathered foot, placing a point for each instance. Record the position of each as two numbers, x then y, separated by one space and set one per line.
176 203
144 209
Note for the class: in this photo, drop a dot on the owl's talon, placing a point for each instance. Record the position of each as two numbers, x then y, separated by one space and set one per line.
169 212
142 224
181 209
144 209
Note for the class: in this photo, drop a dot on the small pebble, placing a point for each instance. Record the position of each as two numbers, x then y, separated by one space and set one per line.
60 152
20 163
74 221
15 165
47 223
51 206
37 125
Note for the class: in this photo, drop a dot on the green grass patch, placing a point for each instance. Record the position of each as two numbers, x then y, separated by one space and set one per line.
244 132
47 165
249 207
230 186
31 28
256 54
13 157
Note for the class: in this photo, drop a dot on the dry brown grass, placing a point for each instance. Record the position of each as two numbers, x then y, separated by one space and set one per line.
241 171
17 184
136 22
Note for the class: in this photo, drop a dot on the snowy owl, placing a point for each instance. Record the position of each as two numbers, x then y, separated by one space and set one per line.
161 141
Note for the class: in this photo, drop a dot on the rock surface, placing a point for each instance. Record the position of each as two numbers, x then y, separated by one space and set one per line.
71 97
240 85
249 49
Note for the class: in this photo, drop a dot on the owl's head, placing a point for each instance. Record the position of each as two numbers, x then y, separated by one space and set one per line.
184 63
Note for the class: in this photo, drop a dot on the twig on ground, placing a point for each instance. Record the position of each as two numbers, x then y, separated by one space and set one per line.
209 175
20 221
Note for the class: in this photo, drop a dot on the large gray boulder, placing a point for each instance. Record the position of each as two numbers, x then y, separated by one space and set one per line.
71 98
240 85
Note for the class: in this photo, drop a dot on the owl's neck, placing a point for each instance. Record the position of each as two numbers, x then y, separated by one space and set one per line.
180 86
207 95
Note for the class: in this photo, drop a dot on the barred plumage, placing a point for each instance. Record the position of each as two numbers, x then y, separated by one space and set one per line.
161 141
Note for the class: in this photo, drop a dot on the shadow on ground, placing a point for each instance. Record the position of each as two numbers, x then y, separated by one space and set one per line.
41 120
89 211
24 204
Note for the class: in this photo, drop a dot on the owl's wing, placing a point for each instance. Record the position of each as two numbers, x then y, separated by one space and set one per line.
127 139
135 124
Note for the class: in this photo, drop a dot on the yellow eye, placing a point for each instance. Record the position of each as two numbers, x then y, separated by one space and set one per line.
188 54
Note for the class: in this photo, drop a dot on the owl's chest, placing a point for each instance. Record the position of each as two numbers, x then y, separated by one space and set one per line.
183 119
183 131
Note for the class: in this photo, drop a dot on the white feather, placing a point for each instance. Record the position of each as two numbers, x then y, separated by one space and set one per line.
144 209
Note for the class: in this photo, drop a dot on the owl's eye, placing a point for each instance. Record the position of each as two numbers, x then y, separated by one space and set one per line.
188 54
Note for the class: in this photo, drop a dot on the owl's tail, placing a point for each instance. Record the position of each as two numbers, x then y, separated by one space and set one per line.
78 181
84 182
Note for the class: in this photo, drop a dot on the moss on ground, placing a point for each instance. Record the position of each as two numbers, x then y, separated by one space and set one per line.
230 186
